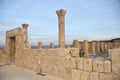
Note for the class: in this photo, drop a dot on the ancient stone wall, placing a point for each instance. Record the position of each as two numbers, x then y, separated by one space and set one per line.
3 57
68 64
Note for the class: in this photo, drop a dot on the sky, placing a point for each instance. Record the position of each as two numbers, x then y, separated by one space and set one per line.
85 19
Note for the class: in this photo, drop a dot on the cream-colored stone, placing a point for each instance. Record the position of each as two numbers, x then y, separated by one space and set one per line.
74 52
107 66
61 14
75 74
94 76
79 63
87 64
86 48
84 75
104 76
98 65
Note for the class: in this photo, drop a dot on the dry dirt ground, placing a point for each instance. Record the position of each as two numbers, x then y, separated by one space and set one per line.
12 72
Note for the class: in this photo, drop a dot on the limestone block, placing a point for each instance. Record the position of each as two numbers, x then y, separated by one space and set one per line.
94 76
67 74
74 52
59 61
79 63
72 63
87 64
98 65
104 76
75 74
107 66
84 75
60 71
39 52
61 52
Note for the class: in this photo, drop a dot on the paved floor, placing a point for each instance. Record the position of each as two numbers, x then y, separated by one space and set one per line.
12 72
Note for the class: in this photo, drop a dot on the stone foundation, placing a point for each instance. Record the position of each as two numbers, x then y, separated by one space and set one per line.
67 64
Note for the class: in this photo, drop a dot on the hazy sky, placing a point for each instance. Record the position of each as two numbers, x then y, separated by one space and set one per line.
85 19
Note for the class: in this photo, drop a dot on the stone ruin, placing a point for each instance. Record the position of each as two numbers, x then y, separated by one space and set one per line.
81 61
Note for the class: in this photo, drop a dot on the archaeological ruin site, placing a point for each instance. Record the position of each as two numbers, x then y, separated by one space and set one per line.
84 60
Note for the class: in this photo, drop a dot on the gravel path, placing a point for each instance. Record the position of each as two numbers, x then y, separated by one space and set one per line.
12 72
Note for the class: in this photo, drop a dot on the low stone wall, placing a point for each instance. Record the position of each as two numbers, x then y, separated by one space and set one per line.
67 64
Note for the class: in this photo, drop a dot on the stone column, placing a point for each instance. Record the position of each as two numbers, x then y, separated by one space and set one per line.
102 47
76 44
51 45
109 45
106 47
24 32
25 36
93 48
86 48
39 44
61 19
98 47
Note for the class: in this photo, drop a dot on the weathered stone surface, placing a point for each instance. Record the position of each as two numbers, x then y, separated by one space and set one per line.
39 44
104 76
94 76
87 64
107 66
74 52
86 48
67 74
84 75
80 63
115 53
75 74
61 14
94 48
98 65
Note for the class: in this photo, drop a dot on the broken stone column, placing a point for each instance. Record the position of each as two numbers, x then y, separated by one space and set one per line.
76 44
109 45
86 48
25 36
98 47
24 32
102 46
106 47
61 18
51 45
39 44
93 48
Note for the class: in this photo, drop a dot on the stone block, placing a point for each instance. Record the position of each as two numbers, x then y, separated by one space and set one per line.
87 64
107 66
94 76
74 52
60 71
61 52
75 74
98 65
67 74
104 76
79 63
84 75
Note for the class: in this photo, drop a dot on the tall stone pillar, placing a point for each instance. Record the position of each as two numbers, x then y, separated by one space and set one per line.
39 44
61 19
93 48
51 45
86 48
